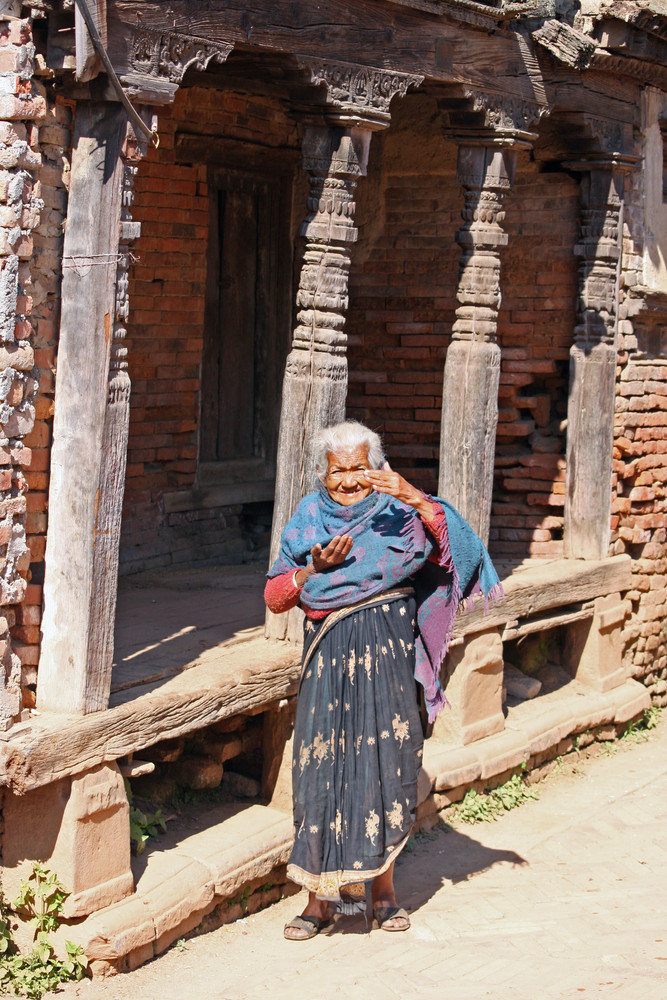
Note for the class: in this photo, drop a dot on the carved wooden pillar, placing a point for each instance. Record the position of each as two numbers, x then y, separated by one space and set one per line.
355 102
590 414
315 382
472 367
90 419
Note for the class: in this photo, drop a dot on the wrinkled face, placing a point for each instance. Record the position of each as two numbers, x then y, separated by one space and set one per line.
344 477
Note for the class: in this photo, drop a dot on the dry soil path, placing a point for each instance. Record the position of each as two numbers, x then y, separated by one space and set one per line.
565 897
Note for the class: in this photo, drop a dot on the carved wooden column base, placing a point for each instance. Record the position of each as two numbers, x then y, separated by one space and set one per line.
468 433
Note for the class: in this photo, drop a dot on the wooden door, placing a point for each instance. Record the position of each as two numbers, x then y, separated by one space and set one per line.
247 327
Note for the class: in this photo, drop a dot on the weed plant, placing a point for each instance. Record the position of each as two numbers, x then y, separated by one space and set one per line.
480 808
39 902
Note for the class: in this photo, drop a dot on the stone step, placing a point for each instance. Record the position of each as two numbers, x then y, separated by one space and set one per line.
179 885
532 729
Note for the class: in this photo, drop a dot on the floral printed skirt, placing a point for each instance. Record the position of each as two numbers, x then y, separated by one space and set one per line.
357 748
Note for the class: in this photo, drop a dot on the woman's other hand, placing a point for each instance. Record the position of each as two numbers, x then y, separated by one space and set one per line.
335 553
385 480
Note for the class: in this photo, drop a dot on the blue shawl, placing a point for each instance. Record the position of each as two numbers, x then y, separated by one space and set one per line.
391 545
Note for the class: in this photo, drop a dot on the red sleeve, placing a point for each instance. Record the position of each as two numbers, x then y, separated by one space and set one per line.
437 528
280 594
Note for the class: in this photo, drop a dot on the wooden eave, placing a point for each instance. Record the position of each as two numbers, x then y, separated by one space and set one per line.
387 35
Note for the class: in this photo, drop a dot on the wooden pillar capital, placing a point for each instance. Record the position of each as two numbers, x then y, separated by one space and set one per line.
357 95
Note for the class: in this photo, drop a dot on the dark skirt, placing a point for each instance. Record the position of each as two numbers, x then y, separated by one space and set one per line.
357 748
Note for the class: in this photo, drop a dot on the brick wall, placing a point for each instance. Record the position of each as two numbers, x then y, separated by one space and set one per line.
535 324
403 287
402 303
165 338
639 494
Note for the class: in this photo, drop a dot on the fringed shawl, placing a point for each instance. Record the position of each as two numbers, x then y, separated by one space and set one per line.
391 545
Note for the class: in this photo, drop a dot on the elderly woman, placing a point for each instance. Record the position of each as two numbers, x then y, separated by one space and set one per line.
379 568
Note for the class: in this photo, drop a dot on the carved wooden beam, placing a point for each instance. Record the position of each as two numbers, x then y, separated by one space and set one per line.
564 43
151 64
358 95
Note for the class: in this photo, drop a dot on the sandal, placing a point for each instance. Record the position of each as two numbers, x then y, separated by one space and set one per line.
310 925
383 914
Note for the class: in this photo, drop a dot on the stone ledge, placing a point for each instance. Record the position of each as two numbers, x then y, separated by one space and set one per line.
451 766
179 886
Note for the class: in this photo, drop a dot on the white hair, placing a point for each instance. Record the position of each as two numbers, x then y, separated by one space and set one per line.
345 437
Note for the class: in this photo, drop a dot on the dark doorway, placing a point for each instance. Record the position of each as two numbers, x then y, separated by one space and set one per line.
247 329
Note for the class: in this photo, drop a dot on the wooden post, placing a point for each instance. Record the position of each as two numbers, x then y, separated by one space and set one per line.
590 413
114 455
69 676
315 382
472 366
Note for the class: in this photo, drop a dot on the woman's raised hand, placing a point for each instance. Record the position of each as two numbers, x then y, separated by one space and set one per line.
385 480
335 553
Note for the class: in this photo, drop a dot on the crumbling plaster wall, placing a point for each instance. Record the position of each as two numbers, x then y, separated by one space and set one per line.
22 110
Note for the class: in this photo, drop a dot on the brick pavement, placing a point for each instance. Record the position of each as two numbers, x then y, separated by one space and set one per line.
565 897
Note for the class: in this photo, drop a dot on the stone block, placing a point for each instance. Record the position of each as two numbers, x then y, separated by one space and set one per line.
474 690
448 767
628 701
199 772
424 786
520 685
594 647
277 746
546 729
500 752
80 829
19 356
241 786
